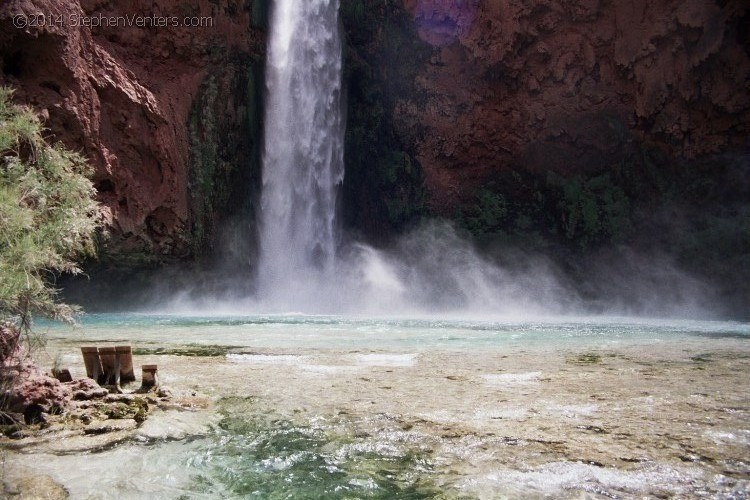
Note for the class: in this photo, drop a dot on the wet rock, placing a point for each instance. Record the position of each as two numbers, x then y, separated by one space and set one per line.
109 426
135 408
593 428
117 411
97 429
17 434
164 392
33 485
86 389
62 375
9 430
119 398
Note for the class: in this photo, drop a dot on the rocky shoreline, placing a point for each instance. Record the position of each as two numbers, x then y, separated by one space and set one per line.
96 418
53 412
93 410
36 403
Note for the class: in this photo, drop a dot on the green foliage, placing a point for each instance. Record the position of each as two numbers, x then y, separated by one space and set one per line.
204 145
396 175
488 215
531 211
590 358
47 216
593 209
353 12
190 350
510 209
259 14
136 408
224 173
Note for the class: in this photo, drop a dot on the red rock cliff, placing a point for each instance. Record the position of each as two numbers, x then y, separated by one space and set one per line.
522 82
122 94
540 85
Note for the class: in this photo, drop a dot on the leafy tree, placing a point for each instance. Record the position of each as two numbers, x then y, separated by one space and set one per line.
48 217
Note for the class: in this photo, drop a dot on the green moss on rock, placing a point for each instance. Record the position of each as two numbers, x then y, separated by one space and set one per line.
224 134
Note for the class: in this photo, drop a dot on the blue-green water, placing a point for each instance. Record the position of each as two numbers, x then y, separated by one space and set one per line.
389 333
355 407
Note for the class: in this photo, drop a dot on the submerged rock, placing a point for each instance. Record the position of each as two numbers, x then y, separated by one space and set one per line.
109 426
30 484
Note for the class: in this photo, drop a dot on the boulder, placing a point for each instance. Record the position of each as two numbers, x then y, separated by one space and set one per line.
39 391
86 389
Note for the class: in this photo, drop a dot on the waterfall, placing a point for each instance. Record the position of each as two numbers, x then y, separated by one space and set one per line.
303 266
303 159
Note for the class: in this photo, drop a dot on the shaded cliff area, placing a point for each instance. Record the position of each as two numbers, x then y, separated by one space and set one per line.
587 130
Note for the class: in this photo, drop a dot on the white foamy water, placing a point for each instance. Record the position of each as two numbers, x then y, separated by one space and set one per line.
387 359
303 155
266 359
554 478
176 425
330 369
511 379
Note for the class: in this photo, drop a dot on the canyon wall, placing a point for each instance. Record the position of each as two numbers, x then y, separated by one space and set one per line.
556 126
569 128
168 114
554 85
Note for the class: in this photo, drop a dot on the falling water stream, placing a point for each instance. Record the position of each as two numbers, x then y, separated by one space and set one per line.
304 263
303 157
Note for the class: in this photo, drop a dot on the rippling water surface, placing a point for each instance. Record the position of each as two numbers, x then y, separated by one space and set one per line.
296 330
346 407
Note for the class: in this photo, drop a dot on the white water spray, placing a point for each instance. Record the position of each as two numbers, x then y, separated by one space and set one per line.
303 156
304 267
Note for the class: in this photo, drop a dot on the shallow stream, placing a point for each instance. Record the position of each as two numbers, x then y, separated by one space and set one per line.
333 407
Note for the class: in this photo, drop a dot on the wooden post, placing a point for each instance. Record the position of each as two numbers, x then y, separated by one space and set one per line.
92 361
149 377
109 363
125 355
